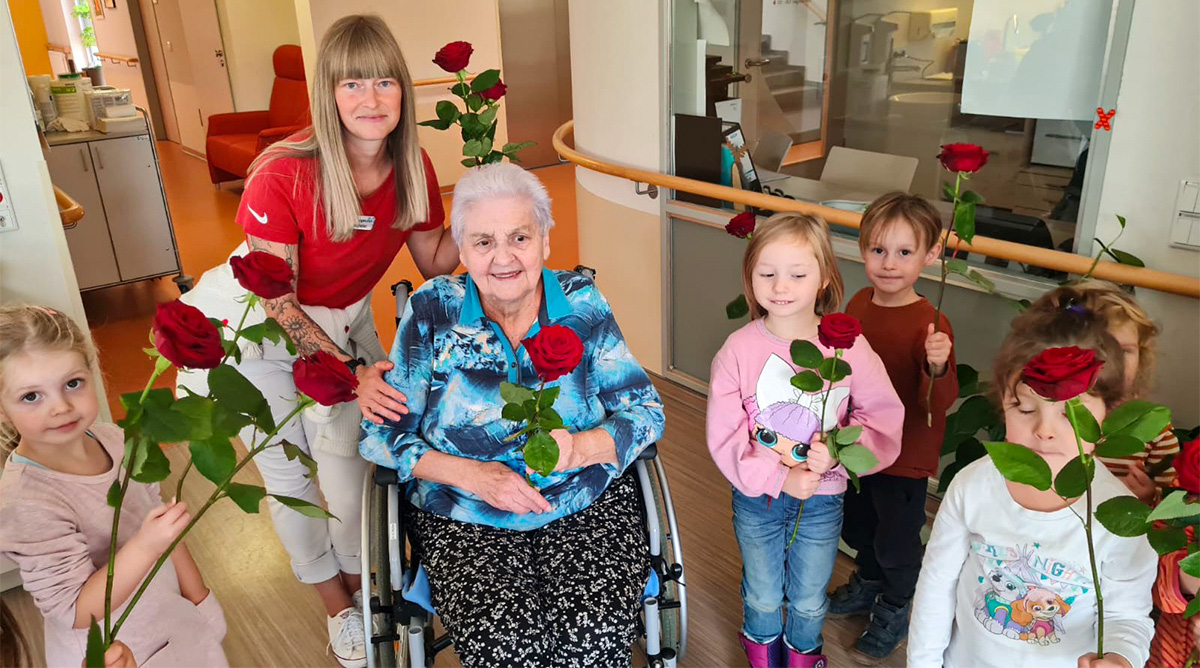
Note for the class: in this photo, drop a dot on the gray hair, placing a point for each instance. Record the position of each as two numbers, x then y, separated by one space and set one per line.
501 179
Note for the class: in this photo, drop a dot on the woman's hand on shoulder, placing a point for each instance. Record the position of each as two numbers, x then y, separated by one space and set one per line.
504 489
378 400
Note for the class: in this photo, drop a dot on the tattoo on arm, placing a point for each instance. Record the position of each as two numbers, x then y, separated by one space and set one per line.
306 334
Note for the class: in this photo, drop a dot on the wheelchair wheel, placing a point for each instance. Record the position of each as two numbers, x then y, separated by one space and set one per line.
673 589
381 627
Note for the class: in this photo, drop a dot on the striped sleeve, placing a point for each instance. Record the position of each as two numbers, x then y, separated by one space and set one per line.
1164 446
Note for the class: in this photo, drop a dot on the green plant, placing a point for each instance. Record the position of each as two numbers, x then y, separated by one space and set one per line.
975 414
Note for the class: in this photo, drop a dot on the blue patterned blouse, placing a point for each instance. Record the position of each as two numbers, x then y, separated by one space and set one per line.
450 360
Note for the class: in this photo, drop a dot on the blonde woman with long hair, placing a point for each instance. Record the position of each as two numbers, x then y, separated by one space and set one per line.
337 201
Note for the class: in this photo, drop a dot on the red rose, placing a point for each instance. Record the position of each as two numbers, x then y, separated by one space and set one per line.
495 92
741 225
967 158
838 330
268 276
1187 467
454 56
185 337
325 378
555 351
1059 374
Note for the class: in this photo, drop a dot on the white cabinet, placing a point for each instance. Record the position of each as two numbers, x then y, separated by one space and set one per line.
125 234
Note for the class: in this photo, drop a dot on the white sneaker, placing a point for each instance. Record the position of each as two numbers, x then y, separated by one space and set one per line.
358 601
346 638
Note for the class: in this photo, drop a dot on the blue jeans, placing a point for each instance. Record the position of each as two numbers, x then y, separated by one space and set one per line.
772 572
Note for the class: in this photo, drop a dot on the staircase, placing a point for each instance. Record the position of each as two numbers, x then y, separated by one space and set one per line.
799 100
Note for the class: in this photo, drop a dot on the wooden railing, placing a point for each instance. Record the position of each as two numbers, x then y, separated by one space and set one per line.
440 81
131 61
1004 250
58 48
69 210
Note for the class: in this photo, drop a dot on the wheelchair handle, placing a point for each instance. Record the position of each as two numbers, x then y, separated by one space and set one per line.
401 290
586 271
385 476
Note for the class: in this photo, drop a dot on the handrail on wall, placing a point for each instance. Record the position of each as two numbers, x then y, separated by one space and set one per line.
58 47
439 82
131 61
1004 250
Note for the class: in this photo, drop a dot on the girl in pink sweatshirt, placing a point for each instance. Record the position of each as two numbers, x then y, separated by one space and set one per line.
55 521
756 417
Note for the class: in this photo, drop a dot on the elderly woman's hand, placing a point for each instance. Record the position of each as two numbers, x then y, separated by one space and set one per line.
377 399
504 489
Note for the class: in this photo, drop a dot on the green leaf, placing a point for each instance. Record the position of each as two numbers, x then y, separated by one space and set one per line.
225 422
496 156
1140 419
964 221
957 266
981 280
974 414
1193 607
857 459
806 354
94 657
549 419
447 111
1174 506
1119 445
1072 480
513 412
546 400
474 149
437 124
512 147
196 412
1167 539
807 381
276 333
849 435
152 353
247 497
833 369
968 380
1020 464
1126 258
469 162
475 103
306 508
485 80
1082 420
738 308
1123 516
230 388
1191 565
460 89
255 333
515 394
114 494
471 127
485 145
213 458
150 464
488 116
541 453
232 349
947 475
854 480
1121 220
972 197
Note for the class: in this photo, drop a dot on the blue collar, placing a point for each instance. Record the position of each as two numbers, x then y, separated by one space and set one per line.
555 300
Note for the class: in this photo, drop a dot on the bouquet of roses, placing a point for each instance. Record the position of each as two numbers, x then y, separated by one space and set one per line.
184 338
555 351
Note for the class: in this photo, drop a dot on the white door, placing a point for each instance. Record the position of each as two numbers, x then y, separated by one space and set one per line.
72 170
133 202
194 53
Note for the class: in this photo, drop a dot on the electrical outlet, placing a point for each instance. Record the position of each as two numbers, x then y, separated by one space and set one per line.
8 219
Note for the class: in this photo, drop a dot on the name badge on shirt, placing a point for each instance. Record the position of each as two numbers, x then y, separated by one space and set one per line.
365 223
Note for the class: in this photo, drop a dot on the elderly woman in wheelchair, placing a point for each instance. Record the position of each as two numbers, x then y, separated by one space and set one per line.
523 569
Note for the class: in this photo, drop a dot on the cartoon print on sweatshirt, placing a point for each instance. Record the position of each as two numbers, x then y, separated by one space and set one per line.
783 417
1024 594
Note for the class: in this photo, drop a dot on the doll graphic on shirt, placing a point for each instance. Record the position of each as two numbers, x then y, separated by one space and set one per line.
785 418
1025 594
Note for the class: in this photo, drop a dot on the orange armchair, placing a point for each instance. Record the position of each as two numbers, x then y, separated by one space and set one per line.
234 140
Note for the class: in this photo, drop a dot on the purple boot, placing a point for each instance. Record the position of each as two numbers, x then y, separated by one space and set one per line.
801 660
763 656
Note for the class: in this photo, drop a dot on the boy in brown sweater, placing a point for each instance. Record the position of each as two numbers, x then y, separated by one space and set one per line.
898 238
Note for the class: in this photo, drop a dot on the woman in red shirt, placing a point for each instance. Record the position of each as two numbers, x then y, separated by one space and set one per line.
337 201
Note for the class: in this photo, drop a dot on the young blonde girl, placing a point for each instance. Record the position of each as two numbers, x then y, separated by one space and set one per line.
756 418
1006 579
1144 473
55 522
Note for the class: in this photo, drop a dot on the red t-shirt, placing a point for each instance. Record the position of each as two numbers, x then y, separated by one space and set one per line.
278 206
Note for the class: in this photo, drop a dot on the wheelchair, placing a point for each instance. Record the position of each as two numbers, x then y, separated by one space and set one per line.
398 612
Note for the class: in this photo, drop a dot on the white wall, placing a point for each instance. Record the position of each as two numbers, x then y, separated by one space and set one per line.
421 28
251 31
1155 145
114 36
35 264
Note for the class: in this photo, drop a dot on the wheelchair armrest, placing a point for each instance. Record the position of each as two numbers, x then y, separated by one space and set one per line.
385 476
648 454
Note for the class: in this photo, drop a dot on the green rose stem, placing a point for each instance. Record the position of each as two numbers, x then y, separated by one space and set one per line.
837 353
1075 403
937 318
304 403
250 303
160 365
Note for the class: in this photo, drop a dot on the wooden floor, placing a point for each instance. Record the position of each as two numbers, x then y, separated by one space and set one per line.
274 620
